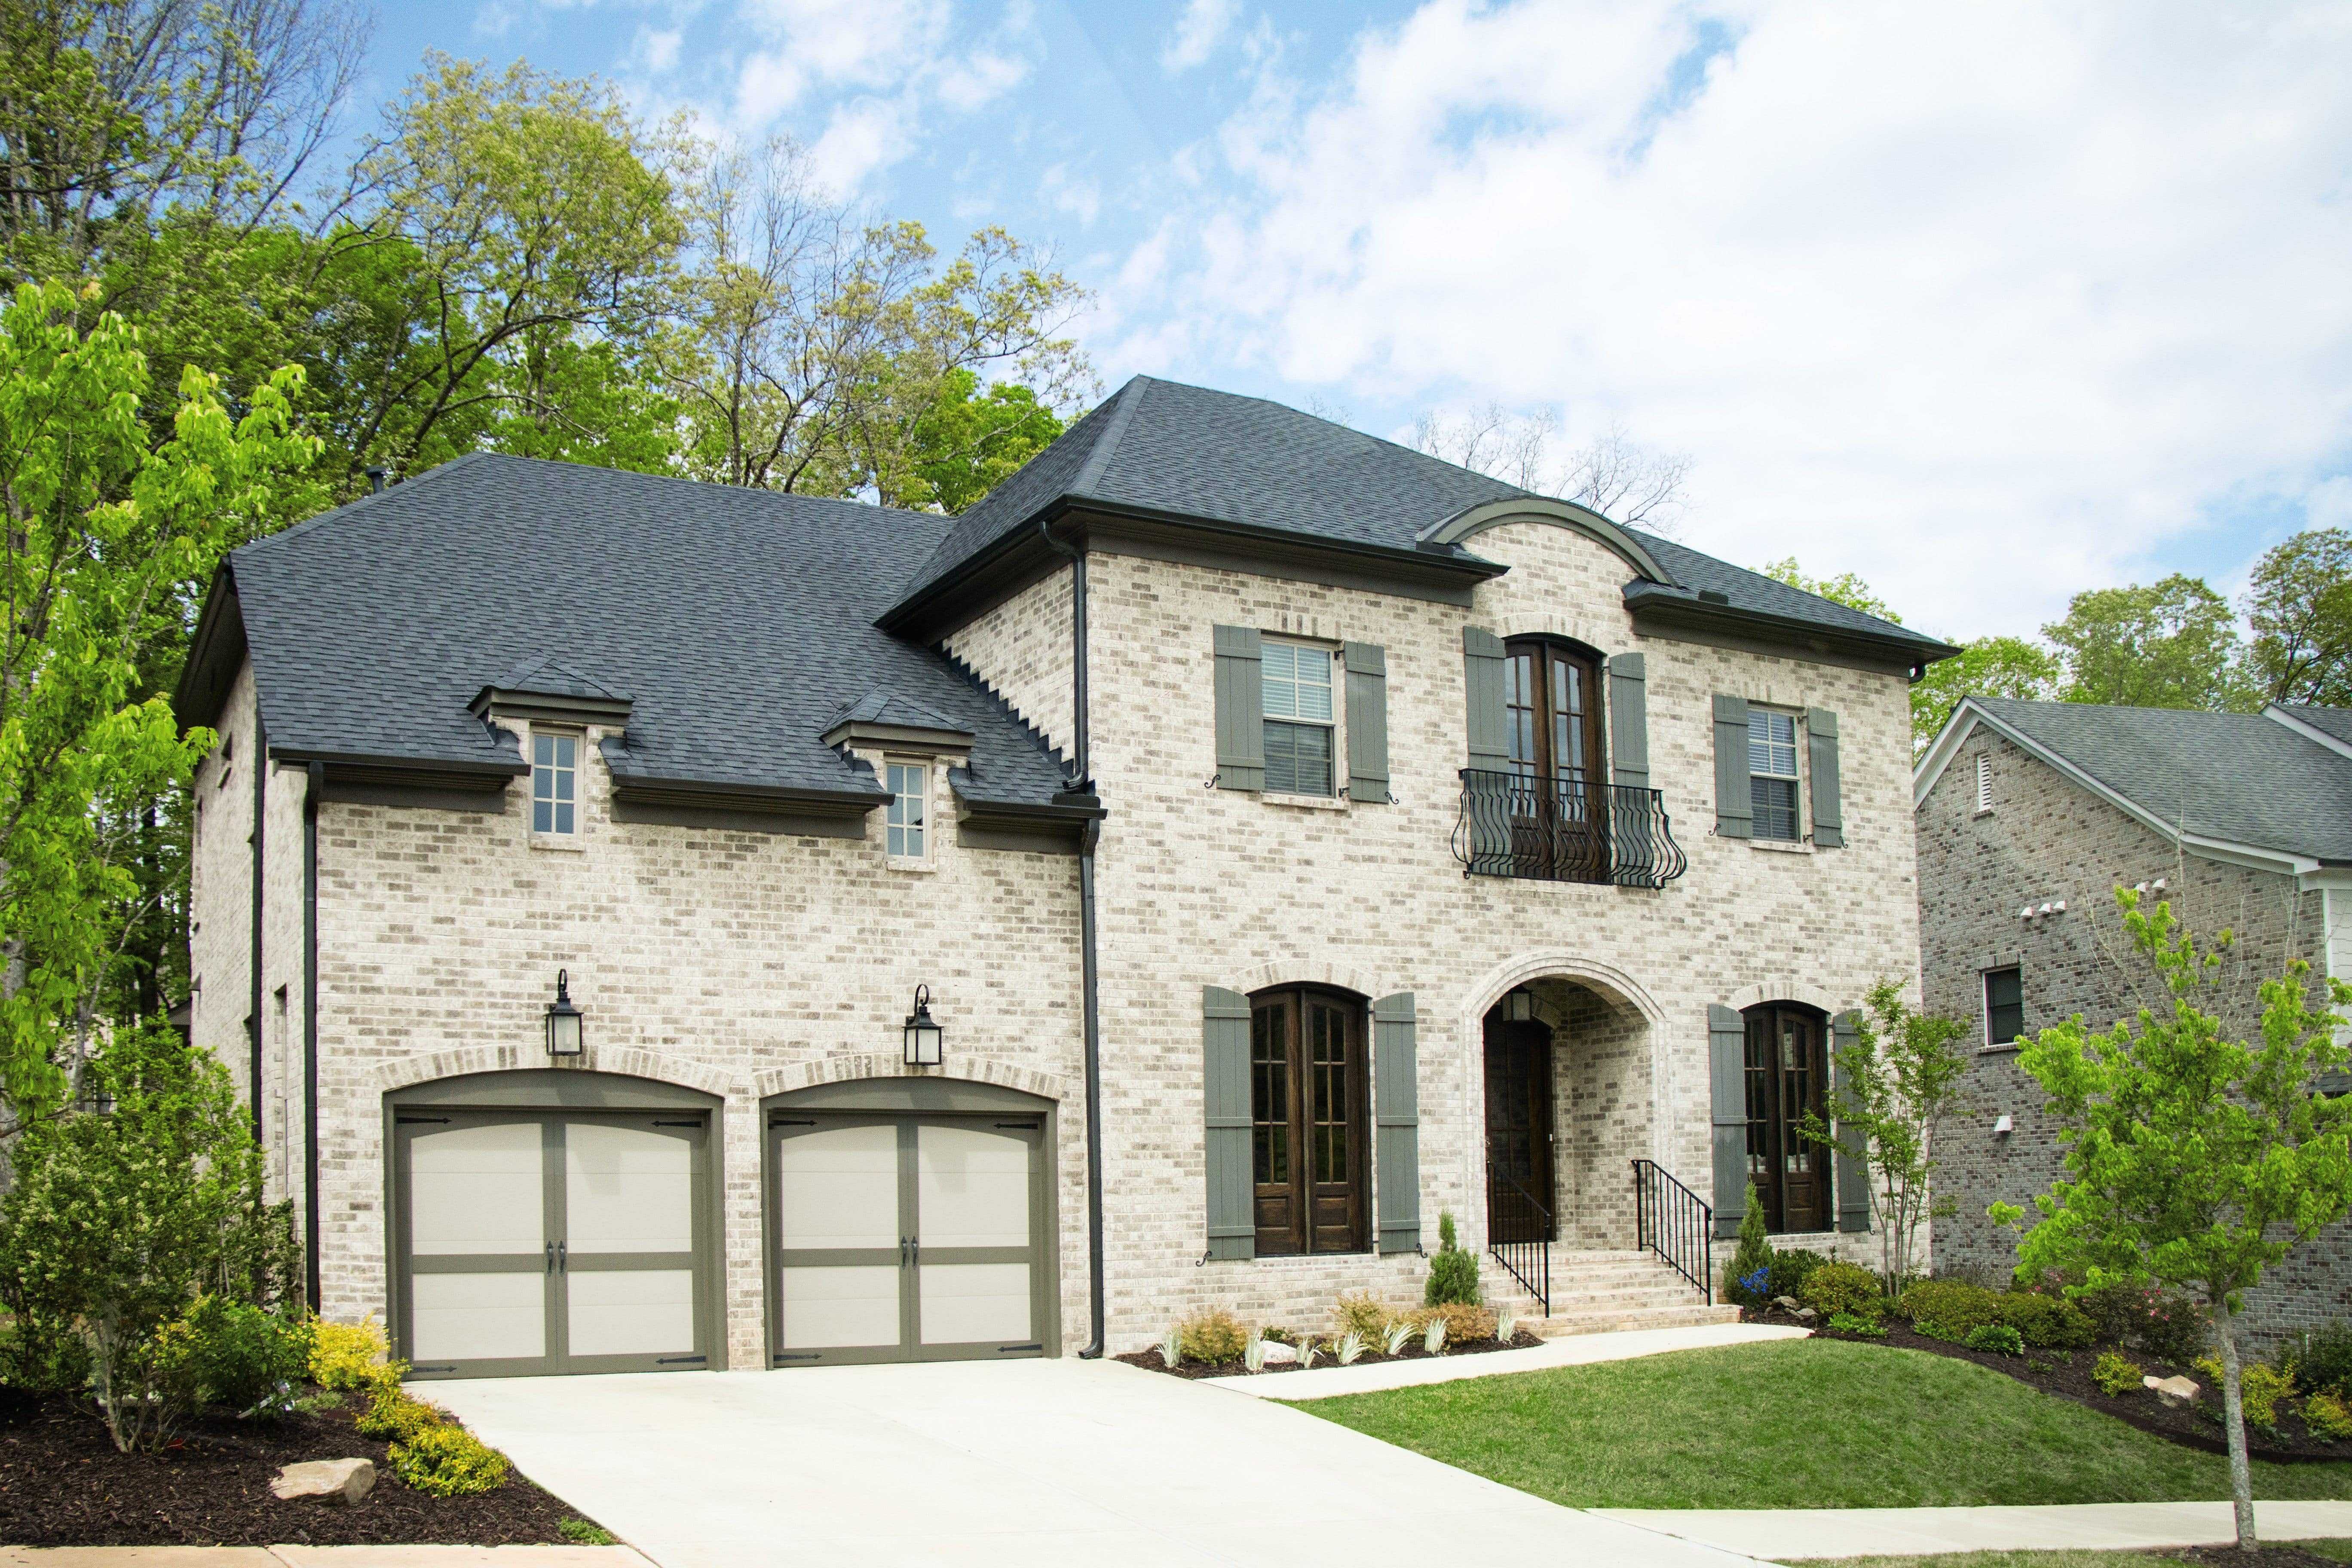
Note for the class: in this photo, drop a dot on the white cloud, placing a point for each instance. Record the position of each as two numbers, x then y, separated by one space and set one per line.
658 48
1197 33
860 138
1985 302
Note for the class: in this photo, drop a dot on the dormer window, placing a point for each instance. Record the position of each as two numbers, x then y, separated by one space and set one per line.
554 784
910 787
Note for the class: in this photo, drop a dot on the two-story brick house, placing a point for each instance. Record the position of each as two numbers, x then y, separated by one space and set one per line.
2031 815
1292 837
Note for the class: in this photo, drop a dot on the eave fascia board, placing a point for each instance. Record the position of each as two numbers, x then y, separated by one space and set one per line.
424 773
722 794
548 708
899 737
202 690
2279 715
1661 606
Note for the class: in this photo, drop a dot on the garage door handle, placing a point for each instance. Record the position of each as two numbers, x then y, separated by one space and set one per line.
550 1258
563 1256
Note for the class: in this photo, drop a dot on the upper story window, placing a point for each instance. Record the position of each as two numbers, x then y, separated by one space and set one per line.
906 832
1296 697
1772 773
554 784
2004 1006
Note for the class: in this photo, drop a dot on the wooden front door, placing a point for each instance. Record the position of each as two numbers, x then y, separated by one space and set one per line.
1551 701
1787 1069
1307 1093
1519 1131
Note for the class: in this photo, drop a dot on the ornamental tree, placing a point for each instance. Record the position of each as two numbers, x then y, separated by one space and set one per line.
2194 1159
1892 1089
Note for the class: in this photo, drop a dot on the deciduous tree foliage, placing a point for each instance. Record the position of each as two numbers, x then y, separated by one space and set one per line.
1987 667
2194 1159
2300 605
2173 644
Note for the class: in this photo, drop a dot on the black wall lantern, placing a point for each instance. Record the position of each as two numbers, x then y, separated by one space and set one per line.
923 1035
562 1019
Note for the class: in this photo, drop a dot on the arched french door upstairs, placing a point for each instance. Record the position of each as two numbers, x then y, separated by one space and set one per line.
1553 732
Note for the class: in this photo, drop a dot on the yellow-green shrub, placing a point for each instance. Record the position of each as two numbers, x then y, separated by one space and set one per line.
449 1461
394 1416
1463 1324
2259 1387
1213 1336
1362 1314
2326 1416
2114 1376
1833 1287
345 1356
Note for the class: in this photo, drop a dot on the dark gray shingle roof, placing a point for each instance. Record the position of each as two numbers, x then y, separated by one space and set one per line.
2238 777
2332 722
1164 446
738 621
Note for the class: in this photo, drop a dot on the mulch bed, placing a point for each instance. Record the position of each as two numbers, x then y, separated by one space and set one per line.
2267 1554
62 1484
1148 1360
2067 1374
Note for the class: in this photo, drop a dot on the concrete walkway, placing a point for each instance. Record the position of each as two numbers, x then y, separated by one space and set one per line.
1032 1463
1322 1382
320 1557
1795 1535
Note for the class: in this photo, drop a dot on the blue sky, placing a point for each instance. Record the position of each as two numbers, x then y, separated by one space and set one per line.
1988 304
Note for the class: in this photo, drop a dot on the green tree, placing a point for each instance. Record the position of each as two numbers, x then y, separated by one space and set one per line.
1846 588
2170 645
972 439
1987 667
2194 1159
2300 605
106 538
118 1219
1889 1094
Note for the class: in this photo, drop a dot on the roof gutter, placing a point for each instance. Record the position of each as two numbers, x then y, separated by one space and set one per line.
1080 789
1667 606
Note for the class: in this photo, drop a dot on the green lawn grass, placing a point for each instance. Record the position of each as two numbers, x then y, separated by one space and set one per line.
1797 1423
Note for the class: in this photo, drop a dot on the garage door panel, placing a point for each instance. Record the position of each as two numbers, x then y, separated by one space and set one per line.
840 1306
477 1316
627 1189
971 1187
477 1189
636 1311
976 1303
838 1186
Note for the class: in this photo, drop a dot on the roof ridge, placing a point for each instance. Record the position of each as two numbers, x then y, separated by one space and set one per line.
1107 444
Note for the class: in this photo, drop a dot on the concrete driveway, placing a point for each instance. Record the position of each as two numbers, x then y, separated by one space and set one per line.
1030 1463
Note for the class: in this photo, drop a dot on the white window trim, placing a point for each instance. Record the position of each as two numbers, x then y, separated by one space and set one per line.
929 859
1338 799
1803 841
575 840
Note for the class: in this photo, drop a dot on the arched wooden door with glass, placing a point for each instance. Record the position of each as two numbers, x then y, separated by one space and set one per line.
1560 799
908 1238
1787 1074
1308 1143
547 1241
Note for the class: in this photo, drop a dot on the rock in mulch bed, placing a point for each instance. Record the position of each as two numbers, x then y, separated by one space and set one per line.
2067 1374
62 1484
1148 1360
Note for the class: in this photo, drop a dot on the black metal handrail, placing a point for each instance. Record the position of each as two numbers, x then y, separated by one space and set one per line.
1670 1220
1565 830
1518 1237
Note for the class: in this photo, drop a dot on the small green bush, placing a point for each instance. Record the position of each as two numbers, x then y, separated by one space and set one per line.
1453 1273
1960 1307
2322 1357
1996 1337
1213 1336
2260 1388
244 1356
1791 1269
449 1461
1860 1327
2326 1416
2172 1329
2114 1376
394 1416
1833 1287
1362 1313
352 1356
581 1533
1464 1325
1753 1257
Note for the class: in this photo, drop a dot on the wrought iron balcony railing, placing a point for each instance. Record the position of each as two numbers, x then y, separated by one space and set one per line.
1564 830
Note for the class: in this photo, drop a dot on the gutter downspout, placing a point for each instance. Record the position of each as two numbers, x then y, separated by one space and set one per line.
317 778
258 841
1081 782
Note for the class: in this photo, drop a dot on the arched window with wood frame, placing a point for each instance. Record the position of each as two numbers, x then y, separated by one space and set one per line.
1560 796
1309 1146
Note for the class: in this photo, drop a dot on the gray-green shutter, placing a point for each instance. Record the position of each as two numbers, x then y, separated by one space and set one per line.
1396 1104
1225 1115
1482 680
1727 1076
1853 1174
1368 722
1829 817
1241 709
1629 721
1735 809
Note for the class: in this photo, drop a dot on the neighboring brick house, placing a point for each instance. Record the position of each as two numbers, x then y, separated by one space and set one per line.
1384 840
2031 815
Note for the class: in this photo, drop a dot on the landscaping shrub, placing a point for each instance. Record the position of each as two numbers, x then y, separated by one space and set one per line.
241 1355
395 1416
2260 1388
1461 1324
1791 1269
1453 1273
2322 1357
1996 1337
1213 1336
1959 1309
1833 1287
449 1461
2114 1376
352 1356
1860 1327
1362 1314
2171 1328
1753 1256
2326 1416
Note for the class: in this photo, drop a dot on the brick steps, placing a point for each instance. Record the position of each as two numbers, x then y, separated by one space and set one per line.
1607 1292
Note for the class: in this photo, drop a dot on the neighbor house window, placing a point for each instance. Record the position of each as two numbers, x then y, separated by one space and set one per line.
1298 705
910 789
2004 1006
555 784
1772 772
